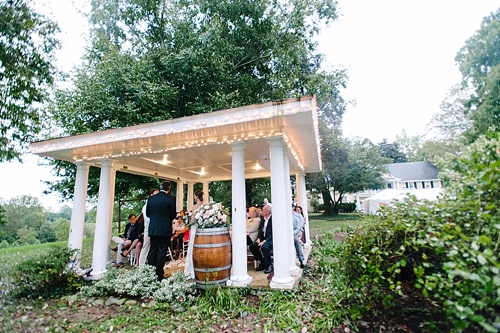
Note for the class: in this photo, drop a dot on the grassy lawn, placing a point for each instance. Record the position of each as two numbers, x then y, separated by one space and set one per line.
319 224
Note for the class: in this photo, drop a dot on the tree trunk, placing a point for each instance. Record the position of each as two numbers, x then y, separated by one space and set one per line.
336 204
327 201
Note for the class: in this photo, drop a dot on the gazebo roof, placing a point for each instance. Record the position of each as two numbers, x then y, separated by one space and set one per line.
198 148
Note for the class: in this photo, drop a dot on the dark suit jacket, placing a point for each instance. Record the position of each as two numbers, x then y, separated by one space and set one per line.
161 210
269 229
133 231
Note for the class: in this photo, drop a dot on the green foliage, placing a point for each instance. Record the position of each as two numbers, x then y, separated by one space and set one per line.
142 283
27 50
447 249
24 212
176 289
392 151
350 166
222 301
347 207
152 61
61 229
469 237
46 233
46 275
479 62
6 236
27 236
3 218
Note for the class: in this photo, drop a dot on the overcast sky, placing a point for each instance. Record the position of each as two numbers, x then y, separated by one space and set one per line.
399 55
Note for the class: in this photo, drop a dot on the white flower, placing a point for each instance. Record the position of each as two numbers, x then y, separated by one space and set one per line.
211 216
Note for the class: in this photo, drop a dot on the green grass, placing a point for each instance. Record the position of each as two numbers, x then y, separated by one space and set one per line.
319 224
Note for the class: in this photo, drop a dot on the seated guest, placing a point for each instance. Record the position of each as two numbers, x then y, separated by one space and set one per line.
299 210
128 237
177 239
137 243
253 222
261 248
298 224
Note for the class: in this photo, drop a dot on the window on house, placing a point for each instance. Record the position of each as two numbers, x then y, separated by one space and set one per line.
432 184
415 185
407 185
423 184
389 185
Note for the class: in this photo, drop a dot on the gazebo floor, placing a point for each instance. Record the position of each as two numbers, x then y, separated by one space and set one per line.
259 279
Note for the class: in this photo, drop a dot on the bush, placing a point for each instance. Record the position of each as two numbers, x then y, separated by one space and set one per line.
142 282
347 207
466 234
447 249
46 275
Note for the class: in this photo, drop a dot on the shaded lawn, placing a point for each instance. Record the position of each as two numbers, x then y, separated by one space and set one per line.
319 224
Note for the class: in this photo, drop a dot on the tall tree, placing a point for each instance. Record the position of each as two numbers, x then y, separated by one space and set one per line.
392 151
27 45
479 63
349 166
3 219
157 60
24 212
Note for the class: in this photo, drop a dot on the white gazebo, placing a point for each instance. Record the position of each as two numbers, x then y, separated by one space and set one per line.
274 139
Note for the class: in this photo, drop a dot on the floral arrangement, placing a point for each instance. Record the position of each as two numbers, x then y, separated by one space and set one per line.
210 215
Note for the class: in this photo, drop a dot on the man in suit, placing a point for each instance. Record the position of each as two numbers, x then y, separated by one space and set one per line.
263 245
161 210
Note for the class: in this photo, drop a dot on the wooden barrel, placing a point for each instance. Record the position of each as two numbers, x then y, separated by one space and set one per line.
212 256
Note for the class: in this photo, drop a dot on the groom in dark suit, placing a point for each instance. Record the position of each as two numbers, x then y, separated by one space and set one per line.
161 210
261 248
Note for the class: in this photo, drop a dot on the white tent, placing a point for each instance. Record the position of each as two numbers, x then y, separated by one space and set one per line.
372 204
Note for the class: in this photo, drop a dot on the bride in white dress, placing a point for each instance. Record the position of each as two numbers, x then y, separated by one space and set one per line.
189 267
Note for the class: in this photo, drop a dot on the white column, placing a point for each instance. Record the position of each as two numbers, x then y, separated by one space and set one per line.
281 278
302 197
179 196
103 219
239 273
294 269
206 193
190 196
75 240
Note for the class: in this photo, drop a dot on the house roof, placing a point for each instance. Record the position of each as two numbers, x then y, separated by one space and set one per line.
199 148
413 171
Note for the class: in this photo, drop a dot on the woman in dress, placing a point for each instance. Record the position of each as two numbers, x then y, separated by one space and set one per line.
177 239
253 222
189 268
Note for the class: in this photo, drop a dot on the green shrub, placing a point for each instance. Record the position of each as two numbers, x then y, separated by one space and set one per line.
381 255
466 233
347 207
49 274
142 282
447 249
175 289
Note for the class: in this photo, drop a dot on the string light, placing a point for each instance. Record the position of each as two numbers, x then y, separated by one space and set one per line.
270 115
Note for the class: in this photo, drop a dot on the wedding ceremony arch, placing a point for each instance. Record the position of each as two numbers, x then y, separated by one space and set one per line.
275 139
